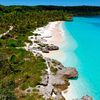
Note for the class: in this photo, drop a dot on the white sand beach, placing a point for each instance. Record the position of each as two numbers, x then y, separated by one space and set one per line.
57 38
52 33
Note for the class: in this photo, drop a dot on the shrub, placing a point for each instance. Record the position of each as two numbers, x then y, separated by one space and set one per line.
12 43
6 94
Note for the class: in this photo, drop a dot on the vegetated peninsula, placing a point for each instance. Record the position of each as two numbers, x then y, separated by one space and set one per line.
26 71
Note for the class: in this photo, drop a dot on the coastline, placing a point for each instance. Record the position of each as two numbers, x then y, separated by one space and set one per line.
57 38
43 64
53 33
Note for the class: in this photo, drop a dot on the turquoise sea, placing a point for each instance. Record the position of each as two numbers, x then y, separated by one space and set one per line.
82 50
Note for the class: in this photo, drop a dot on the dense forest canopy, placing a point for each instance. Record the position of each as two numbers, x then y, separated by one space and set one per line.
20 68
77 10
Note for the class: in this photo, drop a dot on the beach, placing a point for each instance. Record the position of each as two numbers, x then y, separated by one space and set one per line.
57 38
50 52
53 33
50 34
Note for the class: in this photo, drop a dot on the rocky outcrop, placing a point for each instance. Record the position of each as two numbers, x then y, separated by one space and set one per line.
53 83
71 72
45 50
39 43
56 76
52 47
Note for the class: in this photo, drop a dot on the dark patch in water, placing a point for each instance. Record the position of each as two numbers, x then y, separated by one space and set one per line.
95 24
73 78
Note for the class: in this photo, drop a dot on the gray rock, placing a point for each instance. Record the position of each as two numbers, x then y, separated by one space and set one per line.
52 47
45 79
45 50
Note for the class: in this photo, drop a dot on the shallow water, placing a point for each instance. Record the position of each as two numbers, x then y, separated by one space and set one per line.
82 50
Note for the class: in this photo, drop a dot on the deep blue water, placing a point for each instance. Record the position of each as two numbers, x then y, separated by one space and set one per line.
83 37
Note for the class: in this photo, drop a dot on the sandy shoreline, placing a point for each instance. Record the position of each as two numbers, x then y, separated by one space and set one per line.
57 38
56 33
55 30
52 33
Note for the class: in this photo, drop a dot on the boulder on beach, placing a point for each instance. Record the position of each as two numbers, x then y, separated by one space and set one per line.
52 47
41 44
45 50
71 72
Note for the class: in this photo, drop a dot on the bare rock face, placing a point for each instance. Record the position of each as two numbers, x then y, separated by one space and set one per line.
71 72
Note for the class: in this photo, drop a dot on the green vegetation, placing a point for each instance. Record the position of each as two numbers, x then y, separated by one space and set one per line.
54 70
6 94
20 69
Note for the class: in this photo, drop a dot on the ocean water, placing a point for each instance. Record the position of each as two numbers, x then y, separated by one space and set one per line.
82 50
